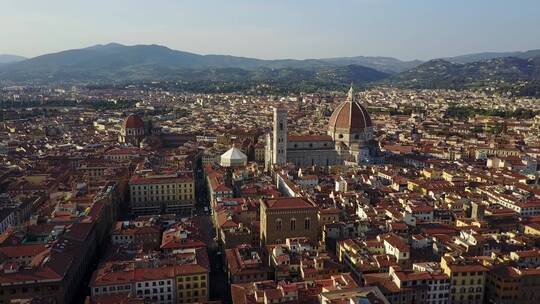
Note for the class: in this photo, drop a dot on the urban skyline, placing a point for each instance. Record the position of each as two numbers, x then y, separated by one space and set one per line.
134 172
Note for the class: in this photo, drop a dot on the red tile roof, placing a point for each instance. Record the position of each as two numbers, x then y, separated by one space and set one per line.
289 203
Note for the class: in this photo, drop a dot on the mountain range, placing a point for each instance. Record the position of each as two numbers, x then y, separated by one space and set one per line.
120 63
116 62
521 75
122 55
492 55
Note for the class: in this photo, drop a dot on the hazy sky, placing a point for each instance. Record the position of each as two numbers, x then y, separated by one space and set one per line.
406 29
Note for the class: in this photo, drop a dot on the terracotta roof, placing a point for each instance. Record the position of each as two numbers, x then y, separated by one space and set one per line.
133 122
288 203
22 250
350 115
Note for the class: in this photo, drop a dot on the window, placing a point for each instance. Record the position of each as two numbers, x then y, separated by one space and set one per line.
281 126
293 224
307 223
340 136
278 224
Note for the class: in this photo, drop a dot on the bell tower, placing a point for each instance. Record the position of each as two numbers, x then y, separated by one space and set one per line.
279 149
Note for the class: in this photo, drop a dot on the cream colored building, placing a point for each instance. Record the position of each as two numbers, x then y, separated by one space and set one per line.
155 194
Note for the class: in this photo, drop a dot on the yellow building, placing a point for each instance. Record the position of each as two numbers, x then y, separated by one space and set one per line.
453 177
413 185
532 229
192 286
431 173
164 193
467 279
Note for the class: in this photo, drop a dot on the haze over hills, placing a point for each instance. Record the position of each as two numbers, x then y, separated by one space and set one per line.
121 55
113 63
116 62
507 73
468 58
7 58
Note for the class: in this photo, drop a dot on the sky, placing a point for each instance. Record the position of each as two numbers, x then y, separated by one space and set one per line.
275 29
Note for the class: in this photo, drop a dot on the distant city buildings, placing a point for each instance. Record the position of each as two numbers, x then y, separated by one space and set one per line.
380 196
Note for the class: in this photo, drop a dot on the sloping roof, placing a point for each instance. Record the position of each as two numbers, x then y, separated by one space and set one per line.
234 154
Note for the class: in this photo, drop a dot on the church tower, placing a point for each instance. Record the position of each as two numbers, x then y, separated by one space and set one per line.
279 149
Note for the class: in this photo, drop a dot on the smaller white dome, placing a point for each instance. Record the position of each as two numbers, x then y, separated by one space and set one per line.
232 158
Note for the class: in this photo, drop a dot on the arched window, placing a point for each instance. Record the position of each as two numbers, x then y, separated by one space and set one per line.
278 225
340 136
281 126
293 224
356 136
307 223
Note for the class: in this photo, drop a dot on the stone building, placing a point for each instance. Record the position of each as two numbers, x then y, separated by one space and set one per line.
288 217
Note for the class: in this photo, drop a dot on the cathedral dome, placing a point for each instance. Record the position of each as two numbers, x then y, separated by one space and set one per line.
350 116
133 122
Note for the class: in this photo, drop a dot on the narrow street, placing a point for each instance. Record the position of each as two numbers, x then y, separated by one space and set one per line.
219 284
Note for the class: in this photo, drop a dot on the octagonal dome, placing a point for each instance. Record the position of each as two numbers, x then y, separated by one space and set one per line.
133 122
350 116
